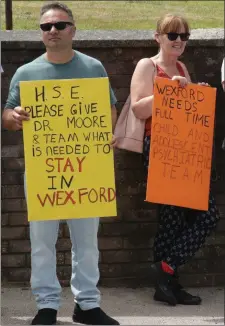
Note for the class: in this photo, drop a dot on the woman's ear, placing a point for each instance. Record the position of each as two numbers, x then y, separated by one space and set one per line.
157 37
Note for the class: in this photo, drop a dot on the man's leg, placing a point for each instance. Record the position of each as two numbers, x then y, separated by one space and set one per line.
44 282
85 256
85 272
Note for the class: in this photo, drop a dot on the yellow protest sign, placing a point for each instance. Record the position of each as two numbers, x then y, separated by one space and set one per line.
68 159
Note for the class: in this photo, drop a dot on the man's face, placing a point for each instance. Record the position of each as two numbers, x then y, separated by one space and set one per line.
54 38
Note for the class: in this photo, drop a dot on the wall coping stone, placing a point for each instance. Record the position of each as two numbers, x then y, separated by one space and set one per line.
22 39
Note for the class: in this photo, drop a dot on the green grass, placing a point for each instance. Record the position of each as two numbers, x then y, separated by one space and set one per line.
128 15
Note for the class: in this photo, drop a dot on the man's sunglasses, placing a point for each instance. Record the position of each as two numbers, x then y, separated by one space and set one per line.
46 27
174 36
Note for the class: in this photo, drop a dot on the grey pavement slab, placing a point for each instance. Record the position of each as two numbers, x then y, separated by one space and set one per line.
128 306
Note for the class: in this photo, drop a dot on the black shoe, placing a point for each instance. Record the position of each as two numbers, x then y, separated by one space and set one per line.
95 316
182 296
159 296
185 298
163 285
46 316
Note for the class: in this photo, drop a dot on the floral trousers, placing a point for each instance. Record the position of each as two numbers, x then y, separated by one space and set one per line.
181 231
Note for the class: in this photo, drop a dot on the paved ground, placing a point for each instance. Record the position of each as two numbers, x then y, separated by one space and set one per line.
129 306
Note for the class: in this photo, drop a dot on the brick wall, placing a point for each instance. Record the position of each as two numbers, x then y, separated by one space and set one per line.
125 241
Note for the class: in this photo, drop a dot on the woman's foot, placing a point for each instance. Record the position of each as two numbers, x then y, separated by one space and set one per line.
163 275
182 296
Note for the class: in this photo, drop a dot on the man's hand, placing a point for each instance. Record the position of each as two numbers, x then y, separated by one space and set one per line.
19 115
181 80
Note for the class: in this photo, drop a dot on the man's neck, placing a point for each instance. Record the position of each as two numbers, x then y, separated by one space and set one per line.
62 56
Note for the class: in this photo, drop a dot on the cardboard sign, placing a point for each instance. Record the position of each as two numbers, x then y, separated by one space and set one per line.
69 162
181 144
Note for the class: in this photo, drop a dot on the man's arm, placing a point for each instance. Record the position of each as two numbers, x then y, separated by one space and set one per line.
7 120
13 114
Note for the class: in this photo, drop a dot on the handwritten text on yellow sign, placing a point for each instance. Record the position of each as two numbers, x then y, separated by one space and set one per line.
69 162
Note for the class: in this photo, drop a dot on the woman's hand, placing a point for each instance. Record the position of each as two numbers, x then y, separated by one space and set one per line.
223 85
181 80
113 142
203 84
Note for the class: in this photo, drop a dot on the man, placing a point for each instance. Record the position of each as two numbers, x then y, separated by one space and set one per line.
60 62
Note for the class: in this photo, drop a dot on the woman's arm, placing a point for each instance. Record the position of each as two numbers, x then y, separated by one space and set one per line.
142 89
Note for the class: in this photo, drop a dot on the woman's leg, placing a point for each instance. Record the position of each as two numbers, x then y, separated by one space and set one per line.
193 235
185 245
171 224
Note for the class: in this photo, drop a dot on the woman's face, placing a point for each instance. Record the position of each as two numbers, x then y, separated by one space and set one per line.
171 43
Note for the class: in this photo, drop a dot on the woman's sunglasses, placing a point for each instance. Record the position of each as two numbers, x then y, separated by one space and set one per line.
46 27
174 36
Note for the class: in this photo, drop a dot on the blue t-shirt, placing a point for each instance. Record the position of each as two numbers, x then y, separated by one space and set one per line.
80 66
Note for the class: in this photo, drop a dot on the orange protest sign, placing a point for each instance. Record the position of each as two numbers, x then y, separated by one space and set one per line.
181 144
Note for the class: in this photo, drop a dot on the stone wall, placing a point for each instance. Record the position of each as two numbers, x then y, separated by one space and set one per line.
125 241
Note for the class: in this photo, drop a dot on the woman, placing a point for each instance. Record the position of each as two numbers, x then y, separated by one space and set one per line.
181 231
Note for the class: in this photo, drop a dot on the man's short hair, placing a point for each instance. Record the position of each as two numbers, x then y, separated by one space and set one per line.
56 6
